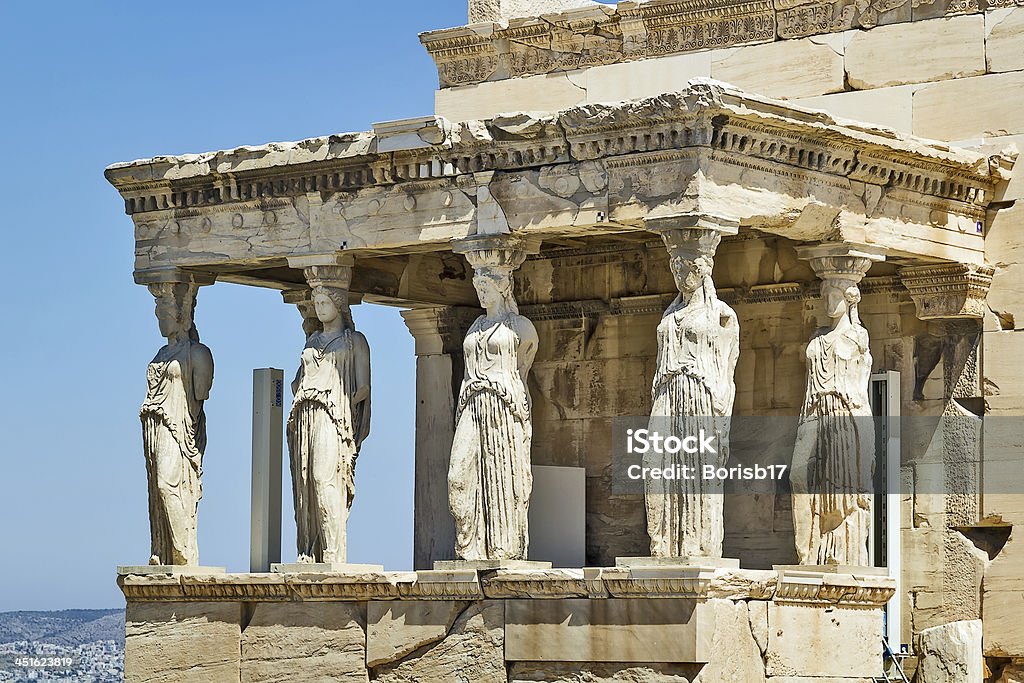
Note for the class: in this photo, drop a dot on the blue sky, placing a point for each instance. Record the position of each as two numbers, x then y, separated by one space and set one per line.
88 84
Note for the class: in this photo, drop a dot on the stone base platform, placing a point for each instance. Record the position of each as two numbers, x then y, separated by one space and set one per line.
852 569
698 562
461 565
144 569
323 568
506 625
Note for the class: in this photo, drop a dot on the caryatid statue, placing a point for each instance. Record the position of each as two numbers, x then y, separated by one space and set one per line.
489 475
178 381
834 456
329 418
693 393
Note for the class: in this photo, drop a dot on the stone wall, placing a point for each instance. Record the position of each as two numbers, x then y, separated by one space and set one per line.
951 71
909 76
682 626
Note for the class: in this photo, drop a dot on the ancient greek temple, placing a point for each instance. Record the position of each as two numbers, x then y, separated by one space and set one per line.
696 213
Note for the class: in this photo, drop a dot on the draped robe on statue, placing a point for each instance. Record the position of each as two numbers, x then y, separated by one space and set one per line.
174 438
489 474
693 390
834 456
325 431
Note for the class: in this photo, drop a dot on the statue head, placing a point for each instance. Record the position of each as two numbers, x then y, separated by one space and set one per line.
492 275
841 268
331 303
494 287
175 303
841 297
689 271
692 258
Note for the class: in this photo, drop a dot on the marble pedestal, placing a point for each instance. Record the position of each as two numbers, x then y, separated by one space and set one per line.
484 565
323 568
688 562
175 569
853 570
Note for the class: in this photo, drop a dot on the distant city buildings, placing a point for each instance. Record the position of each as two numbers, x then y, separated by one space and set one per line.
100 661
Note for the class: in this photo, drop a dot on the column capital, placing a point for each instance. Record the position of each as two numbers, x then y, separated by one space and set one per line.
496 251
175 276
333 269
334 258
841 260
948 290
692 235
439 329
692 221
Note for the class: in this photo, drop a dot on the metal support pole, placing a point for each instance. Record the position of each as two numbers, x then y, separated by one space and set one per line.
267 427
885 397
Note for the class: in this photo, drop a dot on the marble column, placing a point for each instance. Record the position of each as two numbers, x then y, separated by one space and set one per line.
178 381
330 414
438 333
692 395
834 455
489 473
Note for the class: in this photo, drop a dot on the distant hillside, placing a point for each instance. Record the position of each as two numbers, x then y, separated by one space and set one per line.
69 627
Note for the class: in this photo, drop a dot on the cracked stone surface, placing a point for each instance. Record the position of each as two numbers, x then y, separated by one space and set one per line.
942 49
396 629
306 642
177 641
951 653
1003 30
473 652
600 672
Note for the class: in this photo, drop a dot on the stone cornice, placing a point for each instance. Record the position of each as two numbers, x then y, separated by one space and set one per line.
805 588
707 115
600 168
849 590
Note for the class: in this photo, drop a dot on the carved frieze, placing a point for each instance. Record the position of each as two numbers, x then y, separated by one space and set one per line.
593 36
816 588
800 18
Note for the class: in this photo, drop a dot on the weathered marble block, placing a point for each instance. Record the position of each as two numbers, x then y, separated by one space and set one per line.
182 641
305 642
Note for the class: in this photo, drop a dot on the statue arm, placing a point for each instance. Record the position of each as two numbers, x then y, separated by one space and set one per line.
361 397
361 353
202 371
528 342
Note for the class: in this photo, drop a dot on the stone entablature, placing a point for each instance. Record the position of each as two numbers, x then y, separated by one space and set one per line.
590 170
610 34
